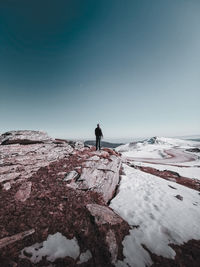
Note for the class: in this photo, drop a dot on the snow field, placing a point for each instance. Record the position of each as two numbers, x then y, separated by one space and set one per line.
148 202
143 150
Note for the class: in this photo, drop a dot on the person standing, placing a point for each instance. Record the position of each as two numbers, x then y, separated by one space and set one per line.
99 134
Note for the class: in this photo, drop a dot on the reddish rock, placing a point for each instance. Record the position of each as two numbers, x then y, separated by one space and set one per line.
38 197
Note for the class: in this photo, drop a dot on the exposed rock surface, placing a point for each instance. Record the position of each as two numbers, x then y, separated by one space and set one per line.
24 137
100 174
53 186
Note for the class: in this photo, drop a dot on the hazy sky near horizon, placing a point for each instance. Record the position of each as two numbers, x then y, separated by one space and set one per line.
133 66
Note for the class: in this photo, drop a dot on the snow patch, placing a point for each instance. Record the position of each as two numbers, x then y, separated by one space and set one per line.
56 246
7 186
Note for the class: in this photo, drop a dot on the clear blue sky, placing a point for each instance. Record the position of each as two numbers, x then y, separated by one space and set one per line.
133 66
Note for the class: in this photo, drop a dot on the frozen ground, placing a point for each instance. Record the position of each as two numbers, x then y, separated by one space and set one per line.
159 212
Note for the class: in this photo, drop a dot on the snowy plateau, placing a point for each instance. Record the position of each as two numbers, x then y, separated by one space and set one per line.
64 204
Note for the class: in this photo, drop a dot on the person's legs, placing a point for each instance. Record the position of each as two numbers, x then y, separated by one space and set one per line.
96 142
99 143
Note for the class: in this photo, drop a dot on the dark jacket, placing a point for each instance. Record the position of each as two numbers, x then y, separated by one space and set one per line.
98 132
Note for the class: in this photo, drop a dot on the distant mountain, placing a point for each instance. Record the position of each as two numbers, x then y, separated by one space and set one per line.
194 139
103 144
154 142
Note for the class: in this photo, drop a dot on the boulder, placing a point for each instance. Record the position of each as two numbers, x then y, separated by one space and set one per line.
103 215
107 222
101 176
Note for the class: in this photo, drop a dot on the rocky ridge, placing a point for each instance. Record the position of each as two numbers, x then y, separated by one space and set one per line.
51 186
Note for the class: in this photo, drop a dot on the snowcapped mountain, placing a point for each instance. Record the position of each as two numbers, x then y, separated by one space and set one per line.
158 141
154 147
171 141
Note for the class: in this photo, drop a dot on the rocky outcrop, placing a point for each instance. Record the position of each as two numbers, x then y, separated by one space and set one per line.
54 187
99 173
19 162
24 138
